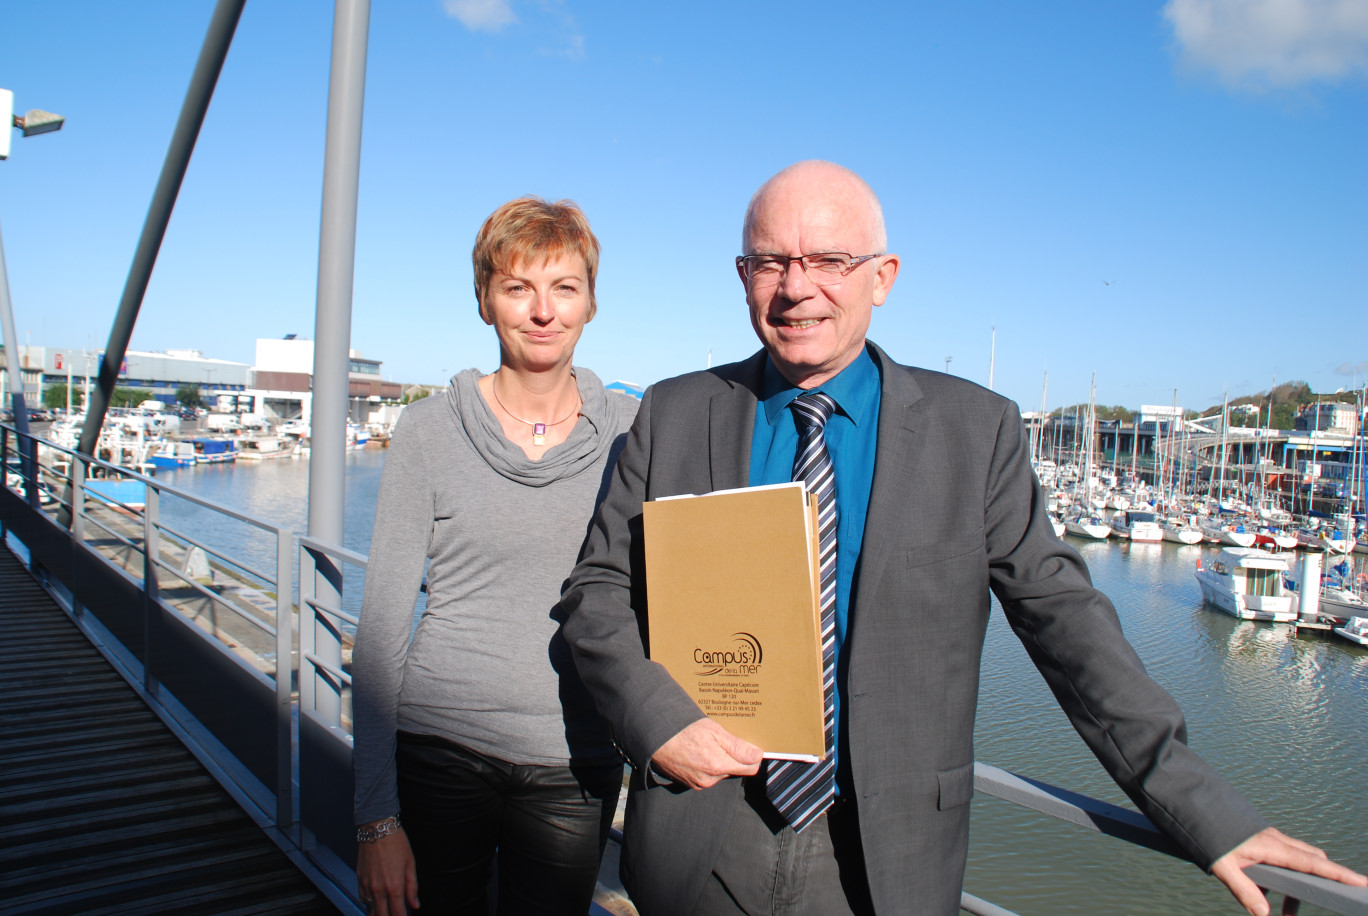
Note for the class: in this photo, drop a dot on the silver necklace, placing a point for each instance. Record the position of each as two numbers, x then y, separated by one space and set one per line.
538 429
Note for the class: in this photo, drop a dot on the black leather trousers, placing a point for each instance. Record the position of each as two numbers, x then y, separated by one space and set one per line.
547 823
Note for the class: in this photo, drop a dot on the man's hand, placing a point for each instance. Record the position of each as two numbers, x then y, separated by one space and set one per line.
704 753
385 875
1272 847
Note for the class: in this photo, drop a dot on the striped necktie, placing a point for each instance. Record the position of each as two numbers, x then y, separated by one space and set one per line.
802 791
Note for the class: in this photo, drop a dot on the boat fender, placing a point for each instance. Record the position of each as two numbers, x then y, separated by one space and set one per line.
1199 562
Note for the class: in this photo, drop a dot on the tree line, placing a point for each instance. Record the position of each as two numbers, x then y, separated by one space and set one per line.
56 396
1277 407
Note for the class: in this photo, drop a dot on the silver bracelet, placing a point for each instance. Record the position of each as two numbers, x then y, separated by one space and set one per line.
372 833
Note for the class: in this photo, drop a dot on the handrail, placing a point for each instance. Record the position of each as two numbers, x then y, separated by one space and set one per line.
333 550
240 564
1133 827
329 669
337 612
114 534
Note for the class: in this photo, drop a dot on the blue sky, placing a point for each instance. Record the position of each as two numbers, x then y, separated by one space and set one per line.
1206 158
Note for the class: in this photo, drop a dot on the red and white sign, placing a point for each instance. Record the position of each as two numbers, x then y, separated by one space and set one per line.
59 362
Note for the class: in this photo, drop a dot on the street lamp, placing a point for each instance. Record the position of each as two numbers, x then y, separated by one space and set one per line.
32 123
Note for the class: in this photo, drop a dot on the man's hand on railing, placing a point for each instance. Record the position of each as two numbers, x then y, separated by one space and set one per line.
1272 847
385 875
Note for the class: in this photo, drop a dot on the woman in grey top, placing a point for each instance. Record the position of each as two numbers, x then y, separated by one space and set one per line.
475 734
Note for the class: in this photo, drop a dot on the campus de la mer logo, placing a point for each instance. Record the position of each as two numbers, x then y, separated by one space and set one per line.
738 657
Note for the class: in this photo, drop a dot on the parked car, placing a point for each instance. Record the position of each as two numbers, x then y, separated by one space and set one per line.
36 414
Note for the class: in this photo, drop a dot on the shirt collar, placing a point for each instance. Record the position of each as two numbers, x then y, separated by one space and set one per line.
853 390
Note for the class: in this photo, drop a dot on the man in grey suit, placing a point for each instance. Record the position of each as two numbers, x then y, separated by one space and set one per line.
936 505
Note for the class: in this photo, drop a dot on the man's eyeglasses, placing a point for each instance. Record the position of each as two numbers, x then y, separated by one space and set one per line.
826 268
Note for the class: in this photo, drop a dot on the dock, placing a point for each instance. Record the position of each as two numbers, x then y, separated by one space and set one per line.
105 810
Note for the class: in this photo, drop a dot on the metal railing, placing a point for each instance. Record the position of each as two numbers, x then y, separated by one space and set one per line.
302 795
188 623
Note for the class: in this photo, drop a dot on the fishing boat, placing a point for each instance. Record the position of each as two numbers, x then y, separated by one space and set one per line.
214 451
1247 583
172 454
262 448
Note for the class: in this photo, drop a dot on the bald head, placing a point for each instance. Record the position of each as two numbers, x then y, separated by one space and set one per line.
826 185
811 320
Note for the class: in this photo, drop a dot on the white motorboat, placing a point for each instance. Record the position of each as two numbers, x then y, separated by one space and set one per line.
1057 525
1355 629
1089 527
1138 526
1247 583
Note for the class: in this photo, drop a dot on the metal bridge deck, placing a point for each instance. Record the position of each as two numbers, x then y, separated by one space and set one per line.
102 809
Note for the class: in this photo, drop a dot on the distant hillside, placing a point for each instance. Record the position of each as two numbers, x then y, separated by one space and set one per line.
1286 399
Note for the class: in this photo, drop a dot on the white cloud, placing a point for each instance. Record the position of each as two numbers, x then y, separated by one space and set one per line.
1273 44
1358 370
571 49
481 15
571 41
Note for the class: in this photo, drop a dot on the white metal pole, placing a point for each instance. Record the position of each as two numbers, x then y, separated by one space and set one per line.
332 319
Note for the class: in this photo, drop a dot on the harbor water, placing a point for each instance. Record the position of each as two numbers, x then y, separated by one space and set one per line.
1284 718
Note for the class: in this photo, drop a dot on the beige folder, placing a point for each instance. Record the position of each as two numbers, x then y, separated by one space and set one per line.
733 608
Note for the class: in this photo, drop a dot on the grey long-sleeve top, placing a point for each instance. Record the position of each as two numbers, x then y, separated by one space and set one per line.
486 666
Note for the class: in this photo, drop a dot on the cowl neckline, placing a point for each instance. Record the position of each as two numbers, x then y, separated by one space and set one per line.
589 438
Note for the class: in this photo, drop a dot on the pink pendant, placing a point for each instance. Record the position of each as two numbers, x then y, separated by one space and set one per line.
538 433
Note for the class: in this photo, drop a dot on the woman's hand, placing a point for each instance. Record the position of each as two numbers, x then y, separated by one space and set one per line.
385 875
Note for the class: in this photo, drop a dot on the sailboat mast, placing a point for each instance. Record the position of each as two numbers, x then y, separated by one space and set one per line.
1225 421
1172 449
1040 433
992 358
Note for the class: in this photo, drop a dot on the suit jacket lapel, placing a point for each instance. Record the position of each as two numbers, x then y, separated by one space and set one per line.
896 463
731 422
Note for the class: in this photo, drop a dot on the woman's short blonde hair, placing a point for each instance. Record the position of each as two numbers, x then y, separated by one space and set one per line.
529 229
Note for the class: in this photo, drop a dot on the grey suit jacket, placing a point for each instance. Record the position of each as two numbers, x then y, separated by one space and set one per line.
955 511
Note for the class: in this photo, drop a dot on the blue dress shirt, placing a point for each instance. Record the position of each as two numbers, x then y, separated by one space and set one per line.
851 438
